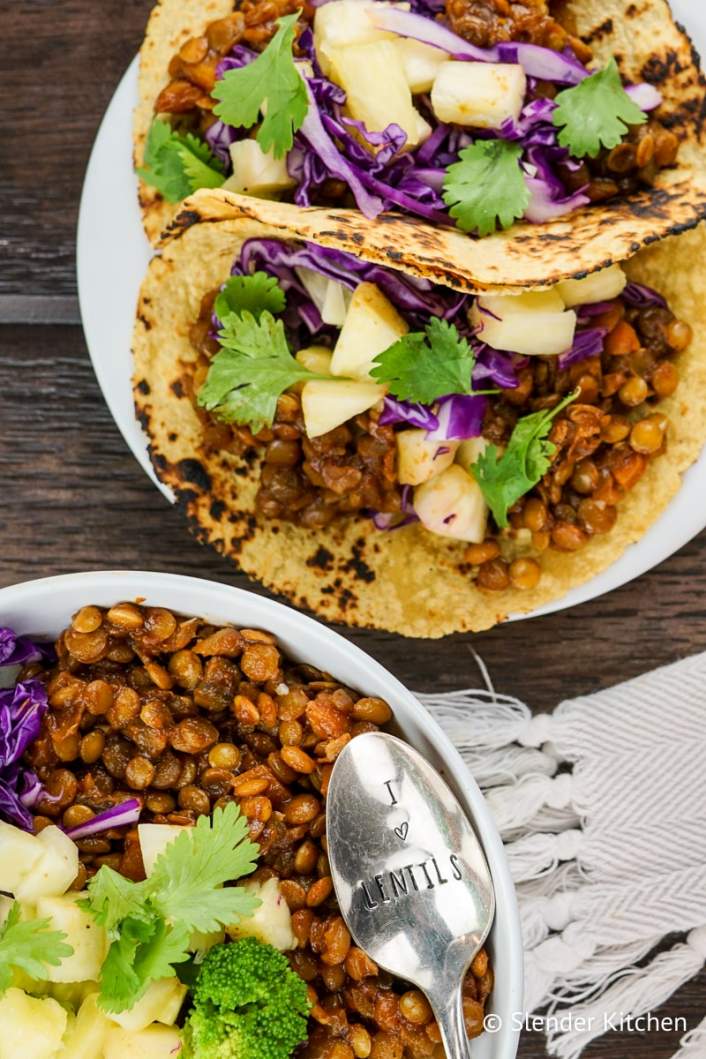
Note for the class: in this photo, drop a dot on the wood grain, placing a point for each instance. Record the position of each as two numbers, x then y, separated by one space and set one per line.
73 498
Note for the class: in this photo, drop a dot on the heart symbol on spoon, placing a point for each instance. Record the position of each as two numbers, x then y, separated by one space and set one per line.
402 831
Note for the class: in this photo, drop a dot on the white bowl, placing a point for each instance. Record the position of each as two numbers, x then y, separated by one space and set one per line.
44 608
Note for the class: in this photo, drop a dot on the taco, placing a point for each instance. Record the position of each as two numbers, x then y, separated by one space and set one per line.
469 115
389 452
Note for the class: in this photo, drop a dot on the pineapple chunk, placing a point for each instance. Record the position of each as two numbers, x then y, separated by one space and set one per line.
201 941
155 1042
257 172
19 854
374 81
420 62
70 994
330 297
371 326
86 1036
161 1002
30 1028
419 459
6 904
599 286
469 450
88 939
316 359
56 870
341 23
154 839
336 303
328 403
533 324
452 505
483 95
271 921
546 301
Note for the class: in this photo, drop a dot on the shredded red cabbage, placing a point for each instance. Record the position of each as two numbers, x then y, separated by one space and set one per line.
548 194
429 31
543 63
314 133
219 137
640 296
584 312
127 812
417 299
21 712
19 650
383 520
412 413
495 368
587 343
460 417
646 96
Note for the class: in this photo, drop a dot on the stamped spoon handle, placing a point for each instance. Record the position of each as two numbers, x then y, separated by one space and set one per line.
449 1016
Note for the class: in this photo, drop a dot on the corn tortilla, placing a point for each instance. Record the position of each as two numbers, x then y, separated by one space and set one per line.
648 46
407 581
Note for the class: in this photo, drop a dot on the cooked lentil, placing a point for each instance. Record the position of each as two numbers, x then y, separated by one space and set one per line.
182 751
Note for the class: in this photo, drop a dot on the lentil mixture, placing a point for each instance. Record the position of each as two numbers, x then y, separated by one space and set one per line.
634 163
187 716
604 442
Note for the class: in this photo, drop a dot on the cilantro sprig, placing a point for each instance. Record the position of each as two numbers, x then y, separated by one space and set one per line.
595 113
29 946
252 368
486 187
271 86
256 293
177 164
149 923
423 366
525 461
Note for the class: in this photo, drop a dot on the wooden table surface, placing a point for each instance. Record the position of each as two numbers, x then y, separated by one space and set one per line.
73 497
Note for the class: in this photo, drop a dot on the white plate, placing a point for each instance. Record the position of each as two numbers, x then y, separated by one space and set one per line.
112 255
46 606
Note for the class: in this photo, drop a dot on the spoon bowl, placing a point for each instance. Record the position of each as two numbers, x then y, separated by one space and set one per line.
409 872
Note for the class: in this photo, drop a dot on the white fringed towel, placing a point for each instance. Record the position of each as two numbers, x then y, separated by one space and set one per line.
602 808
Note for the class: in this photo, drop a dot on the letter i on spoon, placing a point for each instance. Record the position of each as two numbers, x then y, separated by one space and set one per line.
410 875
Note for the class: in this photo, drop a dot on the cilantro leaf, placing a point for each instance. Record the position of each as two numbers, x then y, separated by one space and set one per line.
425 366
524 462
121 984
250 371
150 923
255 294
486 186
167 946
178 163
595 113
186 879
112 898
29 946
270 85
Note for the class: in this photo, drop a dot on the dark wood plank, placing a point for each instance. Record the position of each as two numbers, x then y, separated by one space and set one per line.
61 63
75 499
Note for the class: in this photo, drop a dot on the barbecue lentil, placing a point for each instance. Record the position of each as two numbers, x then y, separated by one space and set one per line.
211 757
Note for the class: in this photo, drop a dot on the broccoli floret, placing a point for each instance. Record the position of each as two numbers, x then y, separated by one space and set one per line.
248 1004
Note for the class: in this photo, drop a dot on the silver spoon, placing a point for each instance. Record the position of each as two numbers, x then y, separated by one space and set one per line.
410 875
